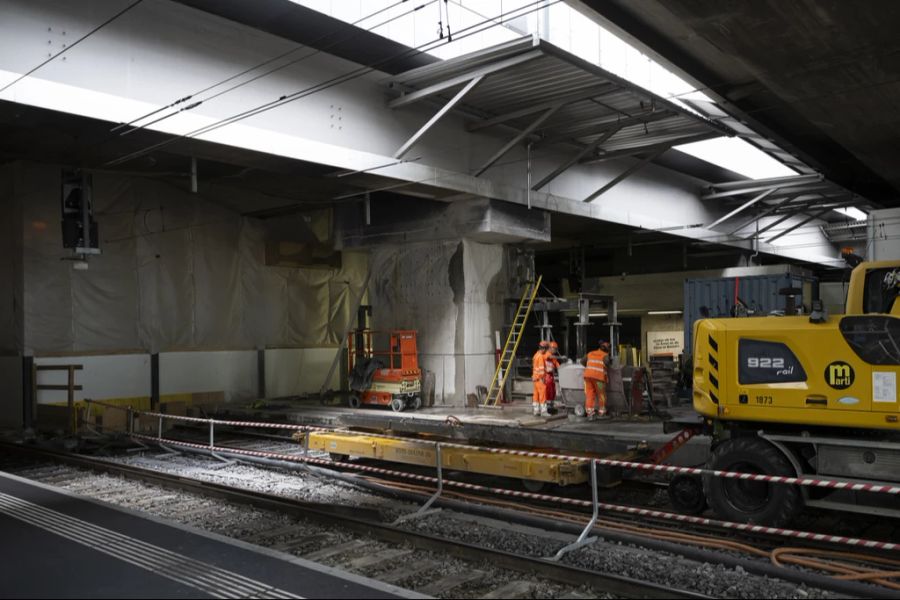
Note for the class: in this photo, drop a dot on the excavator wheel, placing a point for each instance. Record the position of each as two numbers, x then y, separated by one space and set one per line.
758 502
398 404
354 401
417 402
686 494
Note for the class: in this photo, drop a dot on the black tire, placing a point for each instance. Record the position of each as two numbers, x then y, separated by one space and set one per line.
686 494
773 504
532 485
335 457
398 404
417 403
354 401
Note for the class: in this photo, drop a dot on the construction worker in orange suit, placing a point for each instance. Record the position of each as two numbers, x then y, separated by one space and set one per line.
595 380
551 363
538 371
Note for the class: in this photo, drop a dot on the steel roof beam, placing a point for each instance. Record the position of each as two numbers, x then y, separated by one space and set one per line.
653 147
771 181
509 145
770 226
798 225
769 210
755 188
574 160
831 205
624 175
460 79
811 189
530 110
582 131
437 117
742 207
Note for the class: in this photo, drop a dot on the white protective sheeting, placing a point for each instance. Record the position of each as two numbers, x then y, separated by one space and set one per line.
452 293
178 272
418 286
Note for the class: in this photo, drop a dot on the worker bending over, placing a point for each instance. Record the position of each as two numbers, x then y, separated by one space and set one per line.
595 380
538 374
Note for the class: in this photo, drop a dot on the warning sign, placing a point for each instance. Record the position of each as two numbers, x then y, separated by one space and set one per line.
665 342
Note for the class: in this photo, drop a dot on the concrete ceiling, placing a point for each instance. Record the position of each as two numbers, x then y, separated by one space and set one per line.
820 76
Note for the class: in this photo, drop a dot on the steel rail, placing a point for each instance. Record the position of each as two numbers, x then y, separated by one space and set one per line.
610 583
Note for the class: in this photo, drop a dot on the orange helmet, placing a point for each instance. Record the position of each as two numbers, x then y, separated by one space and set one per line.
544 344
554 345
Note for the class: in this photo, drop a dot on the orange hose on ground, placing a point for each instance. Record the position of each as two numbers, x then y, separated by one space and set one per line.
844 572
779 556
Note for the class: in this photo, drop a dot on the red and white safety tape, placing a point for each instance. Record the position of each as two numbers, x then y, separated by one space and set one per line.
606 462
644 512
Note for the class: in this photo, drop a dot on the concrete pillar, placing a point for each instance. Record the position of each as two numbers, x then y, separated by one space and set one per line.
452 293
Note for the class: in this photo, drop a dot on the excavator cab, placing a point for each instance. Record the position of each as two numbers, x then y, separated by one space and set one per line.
874 288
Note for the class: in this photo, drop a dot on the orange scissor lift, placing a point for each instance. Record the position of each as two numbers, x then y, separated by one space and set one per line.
384 377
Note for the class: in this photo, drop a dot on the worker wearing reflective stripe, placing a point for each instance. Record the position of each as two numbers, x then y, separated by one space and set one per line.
538 372
551 363
595 381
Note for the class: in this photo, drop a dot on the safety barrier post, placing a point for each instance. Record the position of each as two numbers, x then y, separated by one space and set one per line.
583 539
159 435
212 438
424 510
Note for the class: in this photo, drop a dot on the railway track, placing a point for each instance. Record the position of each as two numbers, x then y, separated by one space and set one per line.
824 522
660 536
345 537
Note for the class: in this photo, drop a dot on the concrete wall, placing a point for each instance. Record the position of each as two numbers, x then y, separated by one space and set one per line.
289 372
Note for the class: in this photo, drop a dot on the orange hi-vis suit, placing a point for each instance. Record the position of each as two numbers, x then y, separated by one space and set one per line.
595 383
551 363
538 371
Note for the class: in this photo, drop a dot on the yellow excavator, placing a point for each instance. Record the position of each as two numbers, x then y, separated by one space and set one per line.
810 396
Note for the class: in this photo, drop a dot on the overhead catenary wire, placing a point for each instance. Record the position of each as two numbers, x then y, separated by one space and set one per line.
329 83
193 105
72 45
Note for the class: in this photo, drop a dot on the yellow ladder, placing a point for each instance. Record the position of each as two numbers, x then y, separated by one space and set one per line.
504 365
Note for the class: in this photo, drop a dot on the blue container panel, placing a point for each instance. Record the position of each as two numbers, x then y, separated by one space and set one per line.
712 298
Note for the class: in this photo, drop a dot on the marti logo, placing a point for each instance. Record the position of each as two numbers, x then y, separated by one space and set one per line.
839 375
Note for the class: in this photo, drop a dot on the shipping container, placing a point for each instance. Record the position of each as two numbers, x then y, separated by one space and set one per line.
756 295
